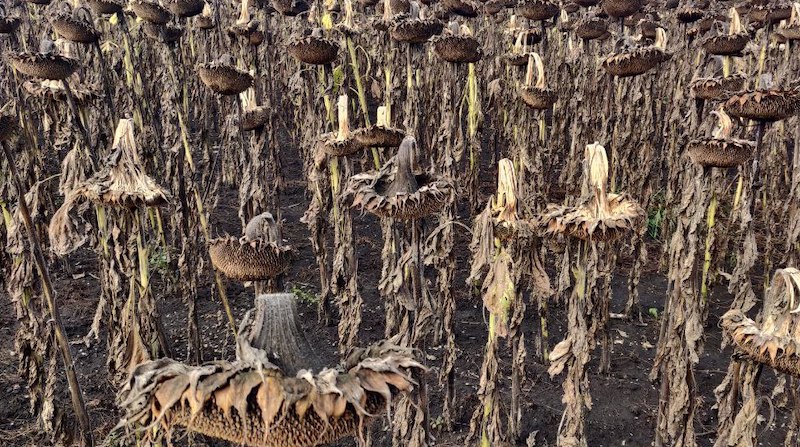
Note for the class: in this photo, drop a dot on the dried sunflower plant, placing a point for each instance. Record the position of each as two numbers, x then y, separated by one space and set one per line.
590 231
503 245
135 331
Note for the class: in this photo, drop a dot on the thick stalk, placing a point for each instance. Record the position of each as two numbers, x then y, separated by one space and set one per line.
47 288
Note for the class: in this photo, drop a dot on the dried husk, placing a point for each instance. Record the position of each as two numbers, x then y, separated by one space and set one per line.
45 66
224 79
249 260
122 182
250 402
55 91
313 50
764 105
584 222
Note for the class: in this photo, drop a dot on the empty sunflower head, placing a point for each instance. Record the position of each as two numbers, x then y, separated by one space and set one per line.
602 215
775 341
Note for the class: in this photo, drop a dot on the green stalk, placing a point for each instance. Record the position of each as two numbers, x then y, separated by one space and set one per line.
710 223
362 97
387 79
489 404
472 114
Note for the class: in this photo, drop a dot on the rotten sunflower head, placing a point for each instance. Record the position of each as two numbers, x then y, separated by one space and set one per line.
601 215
